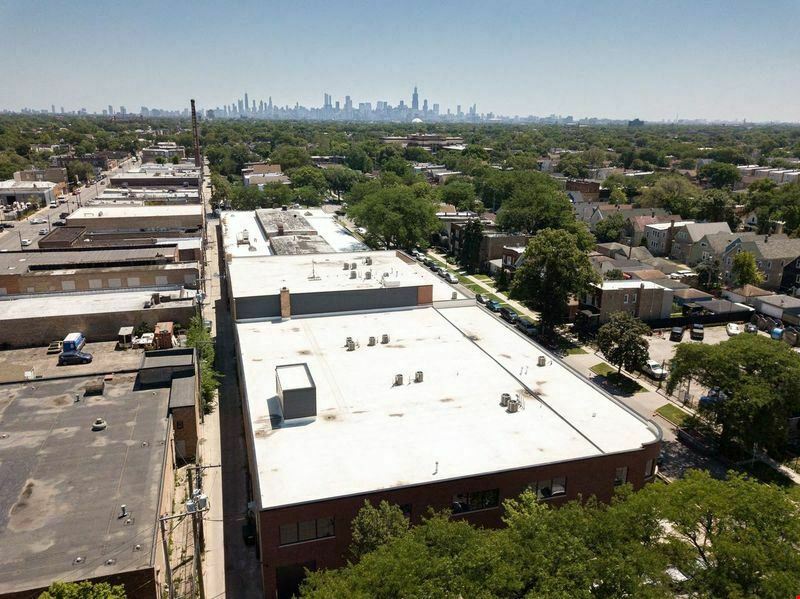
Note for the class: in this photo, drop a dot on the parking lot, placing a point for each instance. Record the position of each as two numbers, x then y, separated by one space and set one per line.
663 350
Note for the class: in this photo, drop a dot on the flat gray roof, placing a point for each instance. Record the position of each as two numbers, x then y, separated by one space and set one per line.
370 434
13 307
17 262
62 484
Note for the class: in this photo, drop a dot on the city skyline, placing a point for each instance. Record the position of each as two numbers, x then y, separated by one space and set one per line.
611 60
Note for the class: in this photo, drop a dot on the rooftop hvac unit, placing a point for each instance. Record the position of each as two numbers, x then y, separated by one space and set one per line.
368 261
418 376
398 380
454 295
504 399
352 266
351 345
513 406
371 341
368 274
346 266
384 338
353 274
541 361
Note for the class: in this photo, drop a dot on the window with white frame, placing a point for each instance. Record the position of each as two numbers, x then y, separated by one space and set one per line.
650 468
550 487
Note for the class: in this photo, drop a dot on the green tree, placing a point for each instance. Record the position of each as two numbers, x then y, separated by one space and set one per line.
246 198
308 196
359 160
82 171
276 194
718 205
309 176
459 193
622 341
617 196
396 217
615 274
760 380
290 157
198 337
674 193
536 203
610 228
709 274
374 527
745 271
220 189
719 174
83 590
471 246
175 160
554 269
340 179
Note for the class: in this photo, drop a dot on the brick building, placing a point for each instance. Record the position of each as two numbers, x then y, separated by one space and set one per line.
644 299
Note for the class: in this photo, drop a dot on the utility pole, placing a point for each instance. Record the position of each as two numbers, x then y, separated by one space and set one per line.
198 559
162 522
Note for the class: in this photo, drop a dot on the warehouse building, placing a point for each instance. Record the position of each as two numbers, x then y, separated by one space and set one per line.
184 217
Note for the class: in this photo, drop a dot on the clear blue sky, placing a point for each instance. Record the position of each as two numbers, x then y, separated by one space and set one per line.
687 58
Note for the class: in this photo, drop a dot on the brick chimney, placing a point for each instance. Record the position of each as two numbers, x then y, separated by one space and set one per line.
286 303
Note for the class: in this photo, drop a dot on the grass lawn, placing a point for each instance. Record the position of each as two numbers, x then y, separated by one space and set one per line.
673 413
620 381
574 351
484 278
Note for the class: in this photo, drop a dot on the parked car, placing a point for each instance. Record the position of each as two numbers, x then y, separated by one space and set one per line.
654 370
442 272
7 225
37 221
480 299
44 231
526 326
676 334
78 357
451 278
62 199
698 332
732 329
493 306
59 223
508 314
25 242
53 204
63 215
777 333
751 328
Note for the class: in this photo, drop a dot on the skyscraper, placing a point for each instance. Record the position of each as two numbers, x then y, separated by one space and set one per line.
246 105
110 110
415 99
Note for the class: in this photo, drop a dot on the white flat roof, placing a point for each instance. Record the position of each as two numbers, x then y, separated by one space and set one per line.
23 185
235 222
664 226
79 303
136 211
307 273
370 434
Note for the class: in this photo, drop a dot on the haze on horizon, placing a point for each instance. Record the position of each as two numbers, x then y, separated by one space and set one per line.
713 60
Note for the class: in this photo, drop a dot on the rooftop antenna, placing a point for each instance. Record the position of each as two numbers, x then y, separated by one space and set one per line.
313 276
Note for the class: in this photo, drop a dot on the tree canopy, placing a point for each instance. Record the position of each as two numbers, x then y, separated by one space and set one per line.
83 590
396 217
697 537
555 268
760 383
745 270
622 341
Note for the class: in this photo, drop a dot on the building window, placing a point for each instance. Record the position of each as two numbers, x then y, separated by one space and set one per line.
633 298
133 282
309 530
649 468
625 300
406 508
115 283
179 424
477 500
621 476
551 487
95 284
160 280
68 285
797 264
797 279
